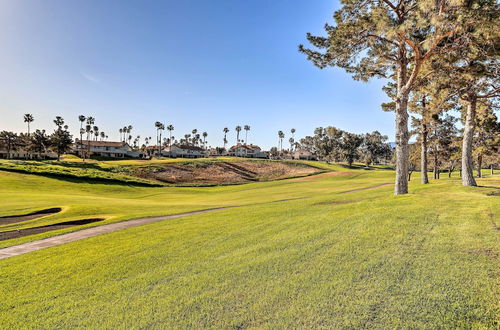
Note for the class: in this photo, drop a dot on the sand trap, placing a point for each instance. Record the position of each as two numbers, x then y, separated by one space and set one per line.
42 229
7 220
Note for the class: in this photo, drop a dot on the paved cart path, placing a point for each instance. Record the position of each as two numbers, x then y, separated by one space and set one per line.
91 232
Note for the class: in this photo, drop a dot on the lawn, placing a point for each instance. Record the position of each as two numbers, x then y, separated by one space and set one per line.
326 259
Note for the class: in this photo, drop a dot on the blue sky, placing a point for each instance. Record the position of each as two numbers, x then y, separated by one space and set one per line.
191 63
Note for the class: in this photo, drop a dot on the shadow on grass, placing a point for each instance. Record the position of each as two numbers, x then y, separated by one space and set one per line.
83 179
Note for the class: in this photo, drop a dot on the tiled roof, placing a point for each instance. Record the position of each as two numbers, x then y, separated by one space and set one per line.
187 147
246 146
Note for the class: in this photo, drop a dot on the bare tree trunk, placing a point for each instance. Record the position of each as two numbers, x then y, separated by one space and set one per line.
402 135
479 165
467 169
423 158
491 168
436 175
451 168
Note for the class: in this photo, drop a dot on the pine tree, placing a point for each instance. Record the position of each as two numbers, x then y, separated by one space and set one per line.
391 40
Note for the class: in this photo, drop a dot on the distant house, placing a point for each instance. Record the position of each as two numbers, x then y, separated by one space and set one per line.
22 153
183 151
104 149
247 150
303 154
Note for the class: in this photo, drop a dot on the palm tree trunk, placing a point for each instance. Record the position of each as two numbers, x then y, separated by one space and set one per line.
467 174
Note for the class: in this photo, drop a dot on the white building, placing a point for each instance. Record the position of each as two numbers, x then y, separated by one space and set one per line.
183 151
303 154
104 149
247 150
22 153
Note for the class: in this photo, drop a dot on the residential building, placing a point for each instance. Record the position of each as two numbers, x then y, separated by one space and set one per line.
247 150
107 149
183 151
303 154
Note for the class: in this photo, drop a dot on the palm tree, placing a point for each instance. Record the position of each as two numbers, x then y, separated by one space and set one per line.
159 127
103 135
238 130
281 136
90 120
129 129
293 132
170 128
82 119
121 131
88 130
205 134
28 118
96 132
225 130
246 128
291 140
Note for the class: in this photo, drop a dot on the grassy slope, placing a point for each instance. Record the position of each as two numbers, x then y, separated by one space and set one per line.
125 171
365 258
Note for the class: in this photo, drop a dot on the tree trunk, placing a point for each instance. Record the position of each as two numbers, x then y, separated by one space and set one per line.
402 135
491 168
467 169
436 175
451 168
479 165
423 158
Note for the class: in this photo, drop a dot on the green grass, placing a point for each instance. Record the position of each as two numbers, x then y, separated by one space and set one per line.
329 260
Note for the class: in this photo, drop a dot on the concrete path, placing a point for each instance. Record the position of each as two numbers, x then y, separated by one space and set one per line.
91 232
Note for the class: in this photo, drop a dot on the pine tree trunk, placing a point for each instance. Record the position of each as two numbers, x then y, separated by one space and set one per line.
402 135
479 165
467 169
436 175
423 158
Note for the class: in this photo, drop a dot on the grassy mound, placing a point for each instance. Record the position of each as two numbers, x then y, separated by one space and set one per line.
179 172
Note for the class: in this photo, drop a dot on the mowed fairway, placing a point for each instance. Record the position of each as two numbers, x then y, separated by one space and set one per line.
306 253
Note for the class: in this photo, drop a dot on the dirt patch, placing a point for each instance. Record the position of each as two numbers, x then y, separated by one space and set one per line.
7 220
485 252
42 229
324 175
219 173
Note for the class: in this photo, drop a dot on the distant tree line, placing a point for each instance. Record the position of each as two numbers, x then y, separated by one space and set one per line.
333 144
38 142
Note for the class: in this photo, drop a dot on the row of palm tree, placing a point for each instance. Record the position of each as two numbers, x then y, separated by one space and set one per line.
194 138
238 129
281 136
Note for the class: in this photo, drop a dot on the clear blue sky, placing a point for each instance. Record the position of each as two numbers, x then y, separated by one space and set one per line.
202 64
